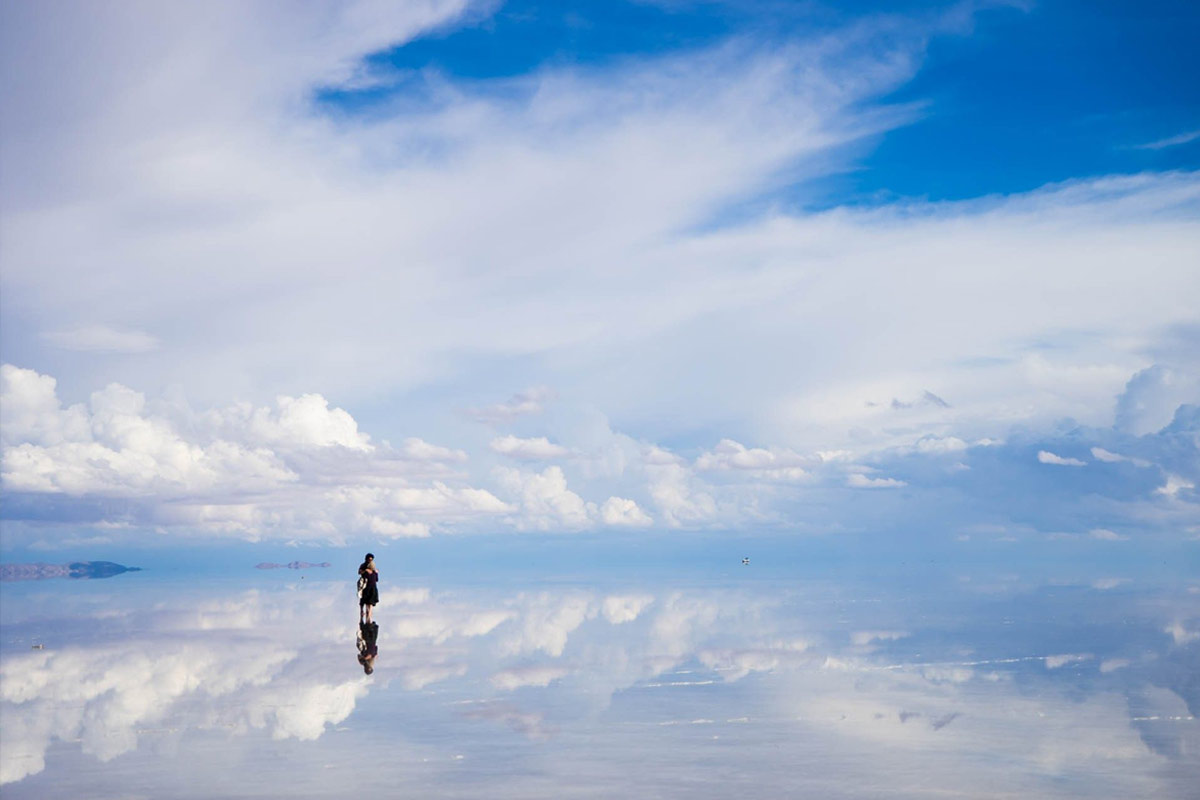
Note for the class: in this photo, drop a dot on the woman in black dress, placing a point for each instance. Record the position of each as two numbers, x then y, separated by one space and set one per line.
369 581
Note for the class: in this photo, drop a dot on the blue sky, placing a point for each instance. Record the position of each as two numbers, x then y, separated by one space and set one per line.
922 270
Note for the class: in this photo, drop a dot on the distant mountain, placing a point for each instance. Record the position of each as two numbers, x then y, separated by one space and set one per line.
291 565
75 569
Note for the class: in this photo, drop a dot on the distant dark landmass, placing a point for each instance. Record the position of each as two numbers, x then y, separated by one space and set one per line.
291 565
75 569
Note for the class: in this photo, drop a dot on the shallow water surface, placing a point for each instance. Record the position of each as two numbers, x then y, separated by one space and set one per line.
962 682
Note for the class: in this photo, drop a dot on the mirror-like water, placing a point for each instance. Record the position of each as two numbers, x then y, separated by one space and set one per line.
963 684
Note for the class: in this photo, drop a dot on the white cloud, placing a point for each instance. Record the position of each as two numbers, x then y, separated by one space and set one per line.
421 450
102 339
859 481
1152 396
544 500
305 421
624 512
1046 457
1170 141
1174 485
678 499
779 464
1057 661
657 456
535 449
1104 534
30 411
1109 457
1100 454
619 609
530 401
630 171
1180 634
1104 584
936 445
301 469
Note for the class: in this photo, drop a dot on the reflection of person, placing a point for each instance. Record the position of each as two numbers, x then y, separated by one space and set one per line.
368 633
368 593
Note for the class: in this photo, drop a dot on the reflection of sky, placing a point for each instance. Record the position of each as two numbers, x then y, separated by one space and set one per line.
971 681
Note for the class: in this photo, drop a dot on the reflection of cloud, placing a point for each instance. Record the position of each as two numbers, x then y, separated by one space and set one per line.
544 622
102 695
866 637
524 722
737 664
625 608
516 677
269 664
414 678
957 738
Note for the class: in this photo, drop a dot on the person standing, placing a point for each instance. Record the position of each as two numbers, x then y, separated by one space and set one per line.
368 583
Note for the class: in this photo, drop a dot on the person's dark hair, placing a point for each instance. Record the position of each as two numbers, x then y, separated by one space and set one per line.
366 560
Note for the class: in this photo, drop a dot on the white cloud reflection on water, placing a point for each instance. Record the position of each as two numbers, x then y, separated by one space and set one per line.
587 690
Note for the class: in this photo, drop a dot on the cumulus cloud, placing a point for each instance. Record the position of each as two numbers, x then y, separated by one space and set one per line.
535 449
543 499
731 455
621 511
1046 457
300 468
679 499
1151 398
619 609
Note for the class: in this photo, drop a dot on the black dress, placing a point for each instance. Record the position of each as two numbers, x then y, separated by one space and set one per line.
370 593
